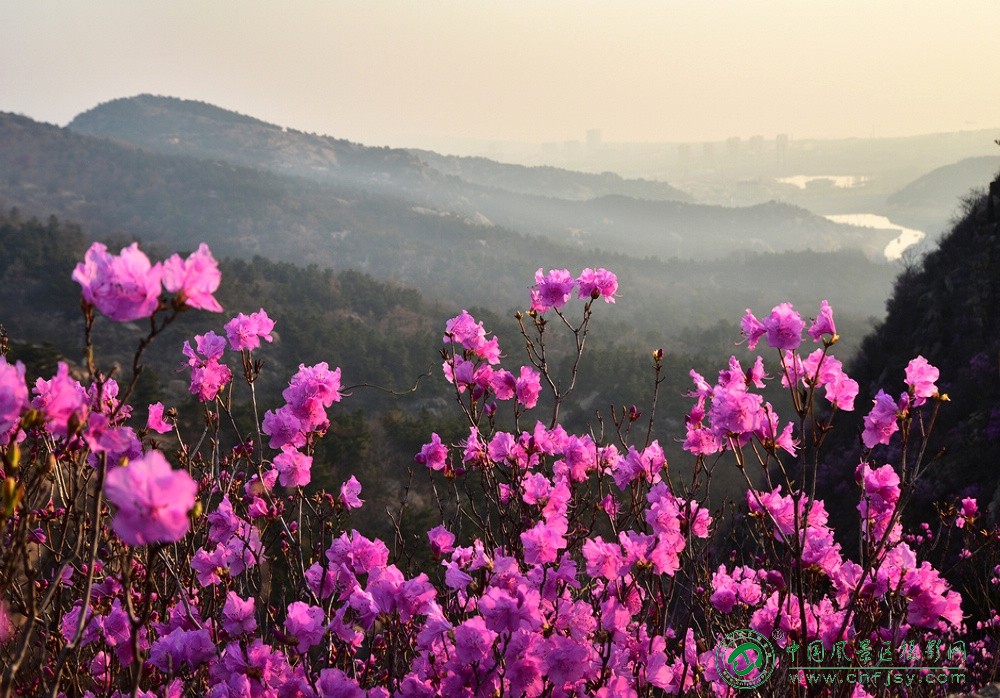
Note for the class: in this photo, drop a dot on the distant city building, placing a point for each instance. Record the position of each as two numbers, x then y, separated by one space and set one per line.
594 138
708 151
733 146
781 149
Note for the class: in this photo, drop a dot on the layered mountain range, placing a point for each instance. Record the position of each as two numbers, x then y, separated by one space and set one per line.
474 232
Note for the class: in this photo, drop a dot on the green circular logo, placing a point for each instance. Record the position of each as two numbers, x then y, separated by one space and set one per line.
744 658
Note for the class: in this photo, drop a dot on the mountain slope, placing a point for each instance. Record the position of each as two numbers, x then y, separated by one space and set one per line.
613 223
928 202
122 192
947 309
553 182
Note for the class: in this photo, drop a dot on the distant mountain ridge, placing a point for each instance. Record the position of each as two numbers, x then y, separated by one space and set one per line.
549 181
919 203
612 221
119 192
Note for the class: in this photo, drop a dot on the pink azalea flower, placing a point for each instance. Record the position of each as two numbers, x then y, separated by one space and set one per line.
117 442
529 387
305 623
238 615
504 384
604 559
246 331
599 283
61 399
784 327
208 375
752 329
284 428
334 683
311 390
567 660
155 420
442 540
824 323
123 287
473 641
543 541
434 454
841 392
734 411
194 279
969 510
463 329
13 397
702 442
349 492
921 377
294 468
552 290
881 423
152 500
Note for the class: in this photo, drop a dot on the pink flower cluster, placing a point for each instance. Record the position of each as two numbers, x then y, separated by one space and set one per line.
883 419
470 365
152 500
587 568
310 392
554 289
127 286
729 414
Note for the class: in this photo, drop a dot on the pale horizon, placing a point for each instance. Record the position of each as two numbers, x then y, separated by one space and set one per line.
424 75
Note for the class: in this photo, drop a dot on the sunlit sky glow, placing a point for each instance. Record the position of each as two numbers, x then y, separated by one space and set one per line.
416 73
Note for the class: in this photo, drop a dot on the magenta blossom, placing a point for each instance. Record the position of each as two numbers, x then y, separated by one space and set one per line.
824 323
784 327
294 468
194 279
442 540
921 377
599 283
62 400
208 375
528 387
311 390
434 454
349 492
246 331
881 423
305 623
123 287
752 329
238 615
155 420
13 396
153 500
552 290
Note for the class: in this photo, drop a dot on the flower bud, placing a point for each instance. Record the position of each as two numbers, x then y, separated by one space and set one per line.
12 457
11 496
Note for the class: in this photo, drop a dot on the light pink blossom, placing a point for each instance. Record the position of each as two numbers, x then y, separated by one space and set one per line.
123 287
152 500
194 279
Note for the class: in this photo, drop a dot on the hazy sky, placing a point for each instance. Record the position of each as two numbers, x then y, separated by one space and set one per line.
387 72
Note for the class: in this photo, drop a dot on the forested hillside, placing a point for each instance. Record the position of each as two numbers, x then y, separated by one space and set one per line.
180 201
634 217
946 308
